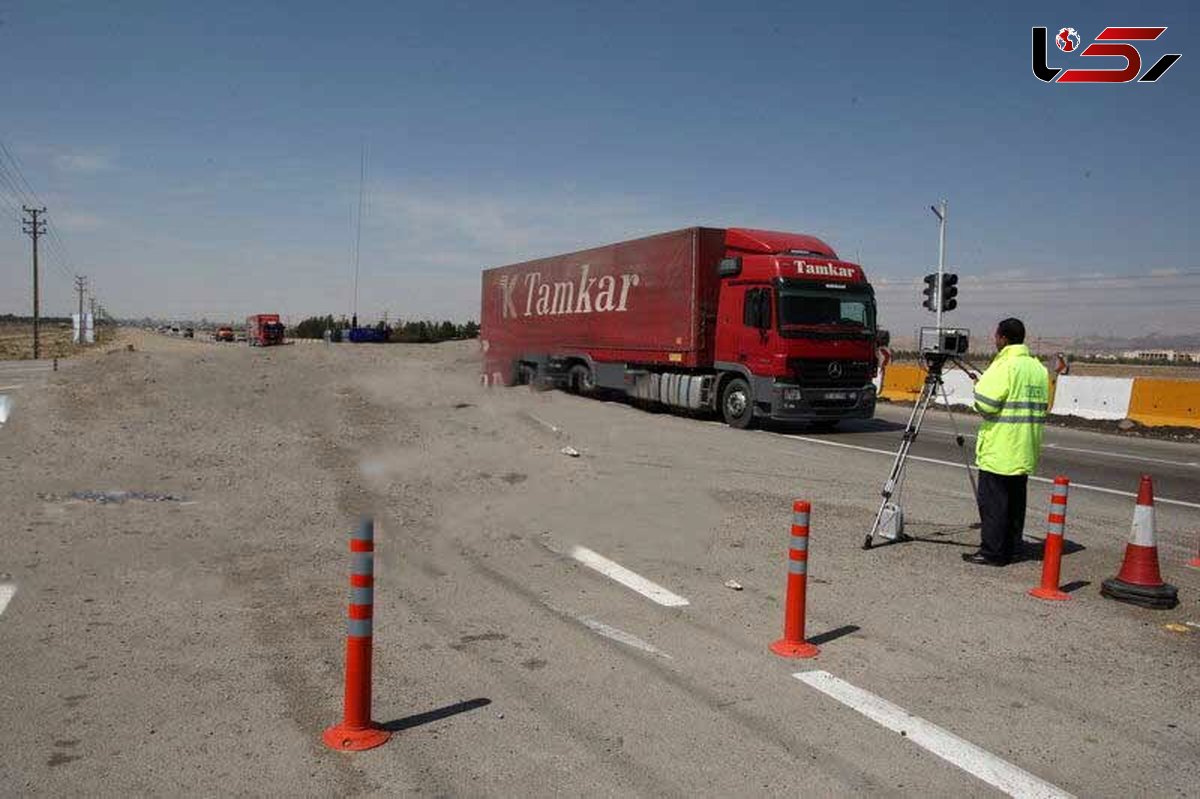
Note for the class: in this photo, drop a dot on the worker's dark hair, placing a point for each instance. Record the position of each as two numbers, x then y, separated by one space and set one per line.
1013 330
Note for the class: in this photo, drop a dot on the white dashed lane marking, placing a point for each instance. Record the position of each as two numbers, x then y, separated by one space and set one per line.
631 580
993 770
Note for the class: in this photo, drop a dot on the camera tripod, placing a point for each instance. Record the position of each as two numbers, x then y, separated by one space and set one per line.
890 515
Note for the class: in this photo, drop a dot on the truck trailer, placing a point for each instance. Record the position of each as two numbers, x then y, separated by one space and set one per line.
264 330
751 324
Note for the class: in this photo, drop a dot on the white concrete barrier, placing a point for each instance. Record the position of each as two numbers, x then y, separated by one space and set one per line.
959 388
1092 397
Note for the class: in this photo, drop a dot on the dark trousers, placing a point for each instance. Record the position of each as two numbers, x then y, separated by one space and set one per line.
1002 511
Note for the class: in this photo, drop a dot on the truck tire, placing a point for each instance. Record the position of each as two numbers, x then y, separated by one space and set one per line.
580 379
737 404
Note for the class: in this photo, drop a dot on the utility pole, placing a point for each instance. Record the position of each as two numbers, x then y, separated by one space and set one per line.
34 227
80 285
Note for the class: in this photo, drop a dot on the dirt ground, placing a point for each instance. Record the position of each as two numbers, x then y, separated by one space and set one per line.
186 638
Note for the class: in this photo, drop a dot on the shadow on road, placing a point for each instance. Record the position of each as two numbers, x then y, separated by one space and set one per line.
833 635
435 715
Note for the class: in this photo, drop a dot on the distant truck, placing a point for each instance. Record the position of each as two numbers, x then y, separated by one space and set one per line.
223 334
751 324
264 330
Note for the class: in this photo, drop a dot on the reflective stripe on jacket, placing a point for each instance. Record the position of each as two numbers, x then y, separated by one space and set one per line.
1012 397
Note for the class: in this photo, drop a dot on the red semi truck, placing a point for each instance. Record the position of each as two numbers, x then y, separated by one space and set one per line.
263 330
748 323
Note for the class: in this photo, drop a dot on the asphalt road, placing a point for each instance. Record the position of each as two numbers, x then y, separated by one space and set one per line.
530 634
1096 460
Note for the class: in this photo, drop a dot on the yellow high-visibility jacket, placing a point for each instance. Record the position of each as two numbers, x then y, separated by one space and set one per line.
1012 397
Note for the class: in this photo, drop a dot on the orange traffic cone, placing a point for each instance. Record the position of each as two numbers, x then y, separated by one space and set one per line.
1195 562
1139 581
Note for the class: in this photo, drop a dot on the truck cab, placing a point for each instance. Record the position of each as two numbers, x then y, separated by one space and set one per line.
796 335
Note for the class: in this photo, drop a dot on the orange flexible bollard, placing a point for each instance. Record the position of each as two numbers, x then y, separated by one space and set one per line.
1052 553
792 644
357 731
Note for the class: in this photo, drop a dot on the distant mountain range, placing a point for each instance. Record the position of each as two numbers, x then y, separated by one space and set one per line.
1082 344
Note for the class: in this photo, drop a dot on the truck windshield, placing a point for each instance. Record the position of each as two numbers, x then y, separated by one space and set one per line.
826 313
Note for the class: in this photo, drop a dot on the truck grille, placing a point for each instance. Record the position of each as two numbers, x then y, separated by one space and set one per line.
815 372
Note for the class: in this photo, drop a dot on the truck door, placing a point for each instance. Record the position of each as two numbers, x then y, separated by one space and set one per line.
754 338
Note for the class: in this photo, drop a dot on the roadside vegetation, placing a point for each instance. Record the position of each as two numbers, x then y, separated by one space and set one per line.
413 332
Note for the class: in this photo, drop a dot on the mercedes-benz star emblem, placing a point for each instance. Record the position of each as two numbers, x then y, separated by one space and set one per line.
835 369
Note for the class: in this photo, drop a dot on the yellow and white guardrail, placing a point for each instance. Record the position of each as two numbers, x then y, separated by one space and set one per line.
1155 402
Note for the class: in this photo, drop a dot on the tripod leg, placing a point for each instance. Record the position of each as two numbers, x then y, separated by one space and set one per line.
928 391
958 438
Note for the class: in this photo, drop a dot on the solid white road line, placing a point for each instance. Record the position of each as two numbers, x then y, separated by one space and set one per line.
1064 448
625 577
620 636
993 770
1082 486
7 592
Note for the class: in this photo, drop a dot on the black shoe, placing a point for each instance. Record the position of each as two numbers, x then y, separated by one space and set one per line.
979 559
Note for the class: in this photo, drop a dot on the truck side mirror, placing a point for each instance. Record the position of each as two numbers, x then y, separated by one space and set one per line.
730 267
883 338
764 310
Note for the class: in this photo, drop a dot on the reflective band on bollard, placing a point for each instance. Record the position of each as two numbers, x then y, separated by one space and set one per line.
1052 552
793 645
357 731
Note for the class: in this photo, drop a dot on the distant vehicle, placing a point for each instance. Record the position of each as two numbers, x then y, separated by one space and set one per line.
367 335
223 334
189 332
264 330
751 324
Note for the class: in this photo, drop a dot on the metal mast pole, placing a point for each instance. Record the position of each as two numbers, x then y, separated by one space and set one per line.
941 215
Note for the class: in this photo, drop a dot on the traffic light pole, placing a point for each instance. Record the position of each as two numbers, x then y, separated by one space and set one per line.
941 215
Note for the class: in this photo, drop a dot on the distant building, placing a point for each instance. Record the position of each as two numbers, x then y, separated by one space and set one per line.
1162 356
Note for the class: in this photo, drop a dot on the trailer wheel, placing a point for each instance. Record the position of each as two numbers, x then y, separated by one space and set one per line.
737 404
580 379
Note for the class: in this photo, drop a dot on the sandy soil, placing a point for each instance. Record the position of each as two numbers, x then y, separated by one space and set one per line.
192 645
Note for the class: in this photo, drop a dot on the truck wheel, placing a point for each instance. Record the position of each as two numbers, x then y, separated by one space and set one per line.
580 379
737 404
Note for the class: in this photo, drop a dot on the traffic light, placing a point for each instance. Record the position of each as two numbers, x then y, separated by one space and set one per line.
949 291
930 292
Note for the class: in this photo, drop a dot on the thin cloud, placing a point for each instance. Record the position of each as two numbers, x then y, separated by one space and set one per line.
79 221
83 163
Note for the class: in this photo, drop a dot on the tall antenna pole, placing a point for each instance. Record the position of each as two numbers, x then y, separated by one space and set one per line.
362 175
941 215
35 227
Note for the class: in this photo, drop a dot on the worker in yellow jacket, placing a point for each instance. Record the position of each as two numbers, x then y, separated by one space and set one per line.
1011 396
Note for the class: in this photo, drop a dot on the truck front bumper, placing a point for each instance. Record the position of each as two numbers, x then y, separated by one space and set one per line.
791 402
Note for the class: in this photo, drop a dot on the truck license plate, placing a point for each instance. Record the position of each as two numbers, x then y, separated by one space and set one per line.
839 395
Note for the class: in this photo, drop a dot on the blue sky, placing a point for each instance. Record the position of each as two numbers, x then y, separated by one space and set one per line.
202 159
